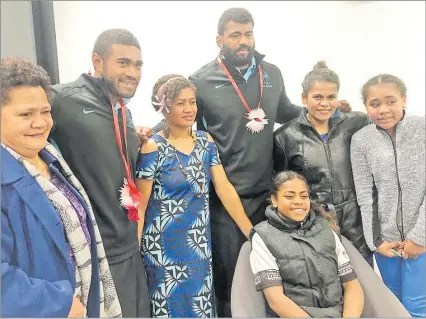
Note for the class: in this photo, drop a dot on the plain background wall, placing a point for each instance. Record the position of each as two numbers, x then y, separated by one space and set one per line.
17 32
357 39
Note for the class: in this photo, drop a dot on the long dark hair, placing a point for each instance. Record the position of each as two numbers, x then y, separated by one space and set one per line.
283 177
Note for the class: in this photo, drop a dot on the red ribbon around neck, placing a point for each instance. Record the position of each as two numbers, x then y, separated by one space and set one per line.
129 183
237 89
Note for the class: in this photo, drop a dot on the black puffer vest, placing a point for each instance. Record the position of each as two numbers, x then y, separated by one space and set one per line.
306 256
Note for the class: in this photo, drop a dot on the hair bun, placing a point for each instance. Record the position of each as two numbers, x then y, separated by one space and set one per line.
320 65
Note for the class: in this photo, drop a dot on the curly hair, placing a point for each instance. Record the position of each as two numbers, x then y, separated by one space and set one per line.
320 73
109 37
170 86
283 177
17 72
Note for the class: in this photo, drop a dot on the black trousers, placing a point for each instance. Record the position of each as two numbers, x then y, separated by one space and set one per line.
132 288
227 240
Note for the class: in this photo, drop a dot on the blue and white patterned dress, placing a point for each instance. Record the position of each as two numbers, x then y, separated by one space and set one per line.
176 242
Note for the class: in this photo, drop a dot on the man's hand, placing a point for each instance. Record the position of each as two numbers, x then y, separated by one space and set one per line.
77 309
144 133
344 106
385 249
412 250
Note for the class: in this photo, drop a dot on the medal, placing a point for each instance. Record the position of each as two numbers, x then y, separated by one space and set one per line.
257 117
129 194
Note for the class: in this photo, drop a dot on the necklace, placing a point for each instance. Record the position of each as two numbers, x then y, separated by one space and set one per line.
203 185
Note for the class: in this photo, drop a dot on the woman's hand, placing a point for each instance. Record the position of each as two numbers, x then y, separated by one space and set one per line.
385 248
77 309
412 250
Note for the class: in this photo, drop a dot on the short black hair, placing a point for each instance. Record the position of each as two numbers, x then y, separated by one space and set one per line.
114 36
237 15
16 72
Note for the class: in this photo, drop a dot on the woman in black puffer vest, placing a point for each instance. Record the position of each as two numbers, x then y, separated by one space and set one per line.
298 260
317 146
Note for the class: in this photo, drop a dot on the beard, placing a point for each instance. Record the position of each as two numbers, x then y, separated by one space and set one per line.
113 88
235 59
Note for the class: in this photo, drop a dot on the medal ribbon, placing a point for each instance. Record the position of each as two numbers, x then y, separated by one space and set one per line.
118 138
237 89
133 191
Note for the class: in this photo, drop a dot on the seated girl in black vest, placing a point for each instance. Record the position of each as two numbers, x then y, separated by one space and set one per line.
297 257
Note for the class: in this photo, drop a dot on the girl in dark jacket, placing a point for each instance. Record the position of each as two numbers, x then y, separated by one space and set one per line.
312 276
317 145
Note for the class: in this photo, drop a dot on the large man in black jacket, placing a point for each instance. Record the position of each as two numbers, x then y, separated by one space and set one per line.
83 113
246 156
245 151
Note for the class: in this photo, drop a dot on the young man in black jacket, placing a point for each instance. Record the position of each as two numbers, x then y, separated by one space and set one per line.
90 119
228 88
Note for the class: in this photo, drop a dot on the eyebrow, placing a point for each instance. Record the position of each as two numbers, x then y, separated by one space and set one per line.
293 192
129 60
191 98
322 94
387 97
30 108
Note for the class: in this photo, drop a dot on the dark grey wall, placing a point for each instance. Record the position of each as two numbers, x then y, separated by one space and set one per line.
28 30
17 31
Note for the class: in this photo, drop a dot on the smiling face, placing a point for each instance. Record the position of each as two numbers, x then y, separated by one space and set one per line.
121 69
292 200
321 101
26 120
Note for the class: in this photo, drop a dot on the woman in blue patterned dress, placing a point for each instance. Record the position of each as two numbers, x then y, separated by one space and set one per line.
174 170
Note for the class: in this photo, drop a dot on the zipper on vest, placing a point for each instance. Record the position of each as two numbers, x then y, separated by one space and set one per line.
399 217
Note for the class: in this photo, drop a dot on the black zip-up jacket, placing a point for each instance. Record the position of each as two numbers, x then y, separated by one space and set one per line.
84 132
326 166
246 157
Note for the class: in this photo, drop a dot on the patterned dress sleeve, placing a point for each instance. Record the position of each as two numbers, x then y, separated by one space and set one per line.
147 165
344 267
263 265
214 154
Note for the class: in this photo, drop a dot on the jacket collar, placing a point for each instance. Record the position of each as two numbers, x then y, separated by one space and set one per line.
12 170
337 117
31 193
99 87
285 224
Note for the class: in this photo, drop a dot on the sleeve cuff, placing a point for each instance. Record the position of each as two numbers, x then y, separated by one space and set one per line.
349 277
268 284
417 237
377 244
267 278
